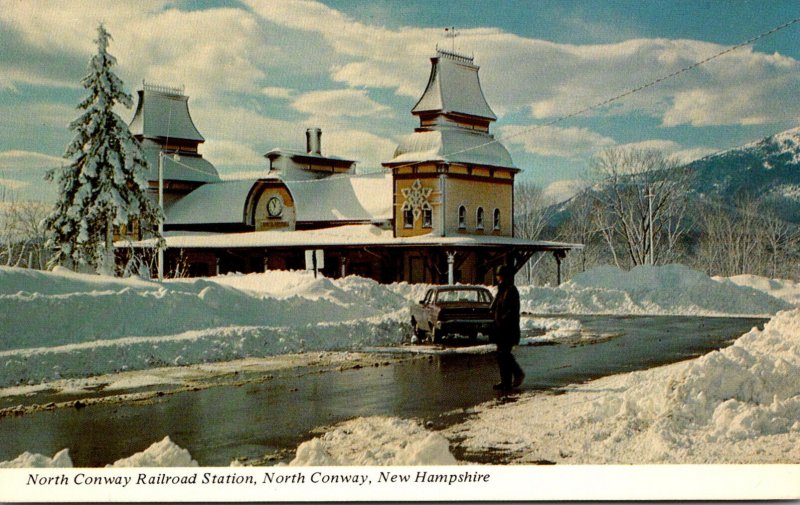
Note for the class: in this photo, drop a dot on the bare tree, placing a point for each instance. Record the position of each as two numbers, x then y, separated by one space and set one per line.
22 234
642 203
581 227
532 211
746 238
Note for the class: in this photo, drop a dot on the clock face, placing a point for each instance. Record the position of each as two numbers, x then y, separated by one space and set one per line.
274 206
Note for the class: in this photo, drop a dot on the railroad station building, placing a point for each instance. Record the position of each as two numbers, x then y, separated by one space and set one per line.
440 210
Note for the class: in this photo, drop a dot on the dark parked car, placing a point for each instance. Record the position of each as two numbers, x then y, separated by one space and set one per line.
449 310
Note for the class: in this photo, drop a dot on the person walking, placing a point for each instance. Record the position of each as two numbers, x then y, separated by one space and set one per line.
506 333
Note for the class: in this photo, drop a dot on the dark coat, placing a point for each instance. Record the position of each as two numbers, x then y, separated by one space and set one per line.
505 310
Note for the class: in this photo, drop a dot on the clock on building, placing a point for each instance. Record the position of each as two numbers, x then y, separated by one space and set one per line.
274 206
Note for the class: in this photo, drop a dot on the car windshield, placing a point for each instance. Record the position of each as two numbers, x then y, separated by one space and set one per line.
463 295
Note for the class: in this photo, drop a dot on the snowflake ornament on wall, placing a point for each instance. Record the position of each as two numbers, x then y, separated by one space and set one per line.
416 199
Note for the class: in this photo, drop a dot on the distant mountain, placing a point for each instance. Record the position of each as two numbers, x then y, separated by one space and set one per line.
770 167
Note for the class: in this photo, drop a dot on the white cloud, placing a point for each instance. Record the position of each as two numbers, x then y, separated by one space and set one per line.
228 152
151 41
13 184
230 59
571 143
560 191
337 103
367 55
277 92
366 148
219 123
552 80
28 160
684 156
672 149
22 174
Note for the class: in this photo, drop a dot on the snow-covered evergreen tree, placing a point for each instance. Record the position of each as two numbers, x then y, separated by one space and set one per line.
102 187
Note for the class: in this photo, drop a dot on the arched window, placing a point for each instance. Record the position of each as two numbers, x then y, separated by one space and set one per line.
462 217
408 218
479 218
427 216
496 220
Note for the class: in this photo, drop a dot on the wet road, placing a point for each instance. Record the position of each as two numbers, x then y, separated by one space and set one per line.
220 424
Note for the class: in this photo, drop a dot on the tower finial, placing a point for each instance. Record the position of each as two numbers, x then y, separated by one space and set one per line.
452 33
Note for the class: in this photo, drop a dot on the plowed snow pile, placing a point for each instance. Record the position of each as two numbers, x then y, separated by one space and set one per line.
737 405
666 290
62 324
375 441
161 454
783 289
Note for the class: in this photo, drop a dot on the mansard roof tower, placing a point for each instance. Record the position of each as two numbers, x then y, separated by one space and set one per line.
451 175
162 123
454 117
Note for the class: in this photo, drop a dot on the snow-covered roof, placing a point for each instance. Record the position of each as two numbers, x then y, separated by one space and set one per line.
164 113
454 87
340 236
187 167
216 203
278 152
452 144
337 198
343 198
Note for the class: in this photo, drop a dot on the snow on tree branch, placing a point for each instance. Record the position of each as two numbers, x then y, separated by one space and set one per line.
102 188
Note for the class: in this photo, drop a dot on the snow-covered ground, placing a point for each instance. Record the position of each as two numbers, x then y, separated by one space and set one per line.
739 404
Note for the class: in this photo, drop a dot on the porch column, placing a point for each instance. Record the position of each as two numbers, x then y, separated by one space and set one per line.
559 255
451 260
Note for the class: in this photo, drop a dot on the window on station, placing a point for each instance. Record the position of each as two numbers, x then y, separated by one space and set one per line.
496 220
479 218
408 218
427 217
462 217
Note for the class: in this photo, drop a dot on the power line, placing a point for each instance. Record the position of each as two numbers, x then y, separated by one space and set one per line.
627 93
577 113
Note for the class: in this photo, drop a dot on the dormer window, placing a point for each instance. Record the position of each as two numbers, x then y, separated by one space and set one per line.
496 220
479 219
462 218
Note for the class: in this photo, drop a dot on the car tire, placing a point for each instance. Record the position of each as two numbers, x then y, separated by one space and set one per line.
418 332
436 336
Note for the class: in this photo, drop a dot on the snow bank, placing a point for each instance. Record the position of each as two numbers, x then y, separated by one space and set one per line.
664 290
160 454
63 324
29 460
786 290
737 405
375 441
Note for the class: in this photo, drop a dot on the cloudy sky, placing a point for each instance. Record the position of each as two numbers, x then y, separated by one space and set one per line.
260 72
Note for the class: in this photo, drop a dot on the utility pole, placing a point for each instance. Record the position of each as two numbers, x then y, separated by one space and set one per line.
650 220
161 218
